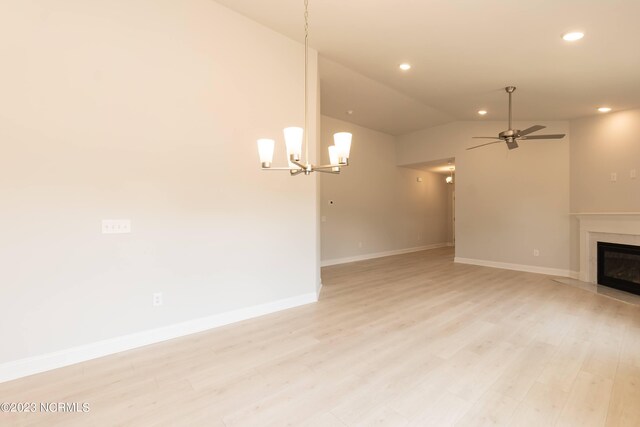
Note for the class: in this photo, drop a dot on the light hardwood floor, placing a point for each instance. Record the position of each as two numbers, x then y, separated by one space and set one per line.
411 340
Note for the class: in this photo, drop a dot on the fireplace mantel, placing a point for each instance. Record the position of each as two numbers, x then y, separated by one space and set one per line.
614 227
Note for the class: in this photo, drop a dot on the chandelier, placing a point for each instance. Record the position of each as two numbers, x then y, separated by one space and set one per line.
294 136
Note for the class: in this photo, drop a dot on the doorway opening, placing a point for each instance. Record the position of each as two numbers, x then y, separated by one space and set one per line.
444 171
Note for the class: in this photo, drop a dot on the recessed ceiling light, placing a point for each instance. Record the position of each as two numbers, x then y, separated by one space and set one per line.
572 36
604 109
405 66
482 112
349 112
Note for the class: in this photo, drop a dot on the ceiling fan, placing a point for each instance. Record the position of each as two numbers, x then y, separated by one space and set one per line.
512 136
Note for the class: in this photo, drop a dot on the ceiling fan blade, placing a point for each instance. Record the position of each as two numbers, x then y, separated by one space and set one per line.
531 130
482 145
484 137
555 136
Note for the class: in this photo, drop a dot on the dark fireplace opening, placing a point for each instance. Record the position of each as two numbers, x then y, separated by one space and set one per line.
619 266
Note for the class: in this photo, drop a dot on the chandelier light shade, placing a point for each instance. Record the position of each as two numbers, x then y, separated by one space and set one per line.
342 141
265 151
295 136
333 157
293 142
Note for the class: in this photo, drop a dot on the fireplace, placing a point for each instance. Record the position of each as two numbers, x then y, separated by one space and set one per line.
619 266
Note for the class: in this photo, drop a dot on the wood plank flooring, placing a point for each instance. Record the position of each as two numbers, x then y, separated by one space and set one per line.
408 340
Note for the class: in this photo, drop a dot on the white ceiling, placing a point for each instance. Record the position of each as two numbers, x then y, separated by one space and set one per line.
463 53
373 104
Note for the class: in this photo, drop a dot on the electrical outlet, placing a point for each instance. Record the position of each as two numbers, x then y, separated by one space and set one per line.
116 226
157 299
419 179
614 177
359 244
536 252
323 218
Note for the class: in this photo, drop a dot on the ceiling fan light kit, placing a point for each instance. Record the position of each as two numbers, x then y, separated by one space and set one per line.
511 136
294 136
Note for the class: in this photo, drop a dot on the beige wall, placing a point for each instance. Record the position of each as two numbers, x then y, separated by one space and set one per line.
602 145
450 213
377 203
150 111
508 203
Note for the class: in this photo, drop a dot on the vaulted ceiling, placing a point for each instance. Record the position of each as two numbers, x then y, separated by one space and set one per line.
463 53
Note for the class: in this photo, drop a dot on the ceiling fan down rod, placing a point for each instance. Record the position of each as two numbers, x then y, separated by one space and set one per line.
510 90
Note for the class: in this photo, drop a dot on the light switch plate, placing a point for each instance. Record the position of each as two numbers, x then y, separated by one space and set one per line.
632 174
614 177
116 226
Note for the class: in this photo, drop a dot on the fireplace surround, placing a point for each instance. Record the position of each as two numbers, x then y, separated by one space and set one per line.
620 228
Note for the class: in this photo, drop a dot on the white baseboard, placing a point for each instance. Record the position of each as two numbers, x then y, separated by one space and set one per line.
574 275
33 365
517 267
337 261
